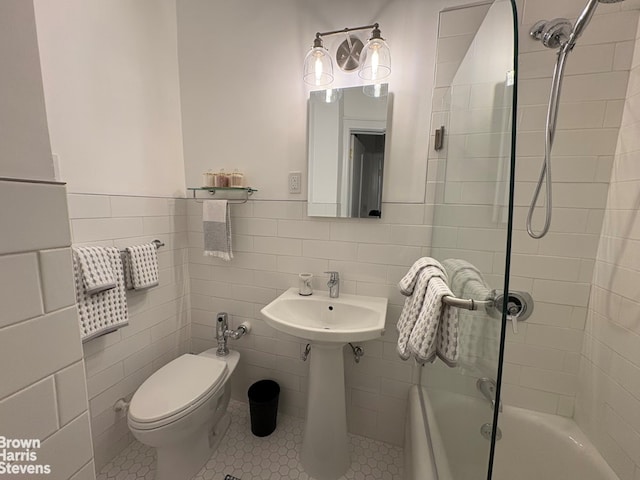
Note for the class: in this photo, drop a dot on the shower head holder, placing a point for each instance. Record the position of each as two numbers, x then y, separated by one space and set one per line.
553 33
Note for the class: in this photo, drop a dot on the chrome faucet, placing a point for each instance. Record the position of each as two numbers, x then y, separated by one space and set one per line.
487 387
223 332
334 284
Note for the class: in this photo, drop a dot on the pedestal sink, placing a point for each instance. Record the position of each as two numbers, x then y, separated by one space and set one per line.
327 324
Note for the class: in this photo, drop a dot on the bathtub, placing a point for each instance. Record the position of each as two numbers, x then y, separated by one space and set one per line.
534 445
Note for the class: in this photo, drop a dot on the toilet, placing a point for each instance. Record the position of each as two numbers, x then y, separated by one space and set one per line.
181 411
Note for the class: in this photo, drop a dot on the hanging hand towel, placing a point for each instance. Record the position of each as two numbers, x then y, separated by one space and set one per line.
408 282
413 306
217 229
141 266
95 269
479 333
436 329
103 312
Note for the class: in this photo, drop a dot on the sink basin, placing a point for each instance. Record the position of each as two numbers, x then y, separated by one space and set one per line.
318 318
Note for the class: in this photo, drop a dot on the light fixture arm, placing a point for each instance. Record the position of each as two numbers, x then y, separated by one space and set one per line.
346 30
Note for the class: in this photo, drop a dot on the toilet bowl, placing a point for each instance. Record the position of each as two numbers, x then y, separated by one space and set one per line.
181 411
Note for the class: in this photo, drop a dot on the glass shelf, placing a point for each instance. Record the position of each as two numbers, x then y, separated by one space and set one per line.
248 191
230 189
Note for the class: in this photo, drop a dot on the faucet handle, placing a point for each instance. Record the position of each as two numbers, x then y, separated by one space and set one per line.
335 276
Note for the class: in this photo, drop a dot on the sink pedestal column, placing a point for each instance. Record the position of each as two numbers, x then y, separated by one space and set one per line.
325 445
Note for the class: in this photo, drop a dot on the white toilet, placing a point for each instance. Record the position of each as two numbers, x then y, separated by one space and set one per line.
181 411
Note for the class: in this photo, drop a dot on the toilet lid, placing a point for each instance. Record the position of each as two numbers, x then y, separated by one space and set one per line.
176 386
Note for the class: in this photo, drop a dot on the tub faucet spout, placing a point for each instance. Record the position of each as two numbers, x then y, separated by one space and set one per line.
487 387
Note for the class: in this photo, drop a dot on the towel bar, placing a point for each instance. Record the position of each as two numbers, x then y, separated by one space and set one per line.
467 304
156 242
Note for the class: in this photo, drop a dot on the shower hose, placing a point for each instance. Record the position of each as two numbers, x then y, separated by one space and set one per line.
550 132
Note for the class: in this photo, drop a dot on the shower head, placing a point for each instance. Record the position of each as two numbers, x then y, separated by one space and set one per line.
561 33
584 19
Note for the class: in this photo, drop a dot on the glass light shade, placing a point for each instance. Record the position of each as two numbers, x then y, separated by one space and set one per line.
318 68
375 60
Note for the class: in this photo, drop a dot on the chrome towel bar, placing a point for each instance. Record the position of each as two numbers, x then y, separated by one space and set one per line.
156 242
467 304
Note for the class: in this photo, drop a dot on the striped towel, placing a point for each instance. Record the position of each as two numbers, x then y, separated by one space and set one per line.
141 266
102 312
216 225
95 269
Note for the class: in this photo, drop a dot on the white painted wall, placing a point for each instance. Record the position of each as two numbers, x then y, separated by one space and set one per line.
244 101
24 150
110 73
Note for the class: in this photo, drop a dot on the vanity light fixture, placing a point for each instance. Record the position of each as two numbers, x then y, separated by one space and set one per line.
373 59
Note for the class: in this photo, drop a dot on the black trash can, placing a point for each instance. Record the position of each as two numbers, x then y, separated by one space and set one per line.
263 406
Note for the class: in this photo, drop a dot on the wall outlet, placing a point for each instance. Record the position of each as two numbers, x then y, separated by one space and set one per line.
295 182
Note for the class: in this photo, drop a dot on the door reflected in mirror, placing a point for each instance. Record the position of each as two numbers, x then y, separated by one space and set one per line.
347 130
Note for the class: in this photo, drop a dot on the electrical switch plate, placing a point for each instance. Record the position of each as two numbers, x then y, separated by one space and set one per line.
295 182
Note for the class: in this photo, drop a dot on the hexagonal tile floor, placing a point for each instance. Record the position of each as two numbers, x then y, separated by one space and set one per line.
275 457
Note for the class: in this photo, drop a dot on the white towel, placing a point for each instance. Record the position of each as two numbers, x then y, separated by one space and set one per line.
95 269
408 282
427 327
141 266
217 229
436 329
414 304
479 332
409 316
102 312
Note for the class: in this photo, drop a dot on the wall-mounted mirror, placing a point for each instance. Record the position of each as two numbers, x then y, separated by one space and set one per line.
347 131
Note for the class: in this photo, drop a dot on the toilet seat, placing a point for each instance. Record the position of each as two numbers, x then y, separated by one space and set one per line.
175 390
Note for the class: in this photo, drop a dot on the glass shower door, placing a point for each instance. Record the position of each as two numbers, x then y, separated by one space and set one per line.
471 237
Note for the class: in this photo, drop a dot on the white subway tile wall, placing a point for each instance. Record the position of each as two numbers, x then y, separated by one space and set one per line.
370 256
158 330
609 391
43 389
541 368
